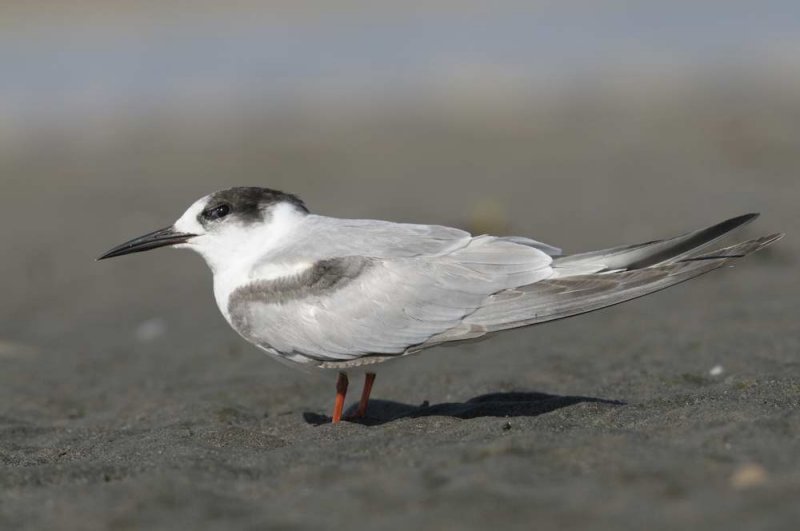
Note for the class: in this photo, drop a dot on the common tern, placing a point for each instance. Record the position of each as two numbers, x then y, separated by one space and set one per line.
346 294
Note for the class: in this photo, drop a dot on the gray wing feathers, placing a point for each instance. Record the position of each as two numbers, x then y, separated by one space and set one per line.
406 302
382 239
647 254
548 249
393 303
557 298
387 289
342 238
489 262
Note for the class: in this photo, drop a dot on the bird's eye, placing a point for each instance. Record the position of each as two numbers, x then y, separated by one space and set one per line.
218 212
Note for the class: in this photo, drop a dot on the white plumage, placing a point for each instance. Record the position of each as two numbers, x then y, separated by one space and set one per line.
339 293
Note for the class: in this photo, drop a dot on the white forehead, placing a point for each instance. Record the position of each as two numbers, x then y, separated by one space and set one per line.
188 221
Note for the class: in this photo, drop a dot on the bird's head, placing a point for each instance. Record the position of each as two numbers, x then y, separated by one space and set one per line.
225 227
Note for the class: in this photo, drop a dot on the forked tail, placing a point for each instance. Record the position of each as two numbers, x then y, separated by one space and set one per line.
590 281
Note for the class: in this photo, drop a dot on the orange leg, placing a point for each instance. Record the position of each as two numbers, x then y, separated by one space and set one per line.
341 391
369 379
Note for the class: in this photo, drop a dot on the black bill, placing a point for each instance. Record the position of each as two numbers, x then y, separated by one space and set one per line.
159 238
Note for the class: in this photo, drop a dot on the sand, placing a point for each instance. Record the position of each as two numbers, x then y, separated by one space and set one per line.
127 403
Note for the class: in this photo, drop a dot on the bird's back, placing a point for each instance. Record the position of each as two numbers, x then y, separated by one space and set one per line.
374 288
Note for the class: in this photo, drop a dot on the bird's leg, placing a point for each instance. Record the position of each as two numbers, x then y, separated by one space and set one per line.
341 391
369 379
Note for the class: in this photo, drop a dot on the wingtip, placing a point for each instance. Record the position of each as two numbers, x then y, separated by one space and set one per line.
752 246
772 238
760 243
733 223
744 218
739 250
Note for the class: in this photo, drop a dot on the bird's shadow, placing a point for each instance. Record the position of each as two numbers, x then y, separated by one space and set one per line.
513 404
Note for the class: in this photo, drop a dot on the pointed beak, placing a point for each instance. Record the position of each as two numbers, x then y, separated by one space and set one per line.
154 240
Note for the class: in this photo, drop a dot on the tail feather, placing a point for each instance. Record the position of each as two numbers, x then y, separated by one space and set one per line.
557 298
565 296
648 254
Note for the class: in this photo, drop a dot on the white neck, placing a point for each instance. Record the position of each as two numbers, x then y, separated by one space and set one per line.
233 254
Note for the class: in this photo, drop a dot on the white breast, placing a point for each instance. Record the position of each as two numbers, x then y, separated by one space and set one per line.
226 282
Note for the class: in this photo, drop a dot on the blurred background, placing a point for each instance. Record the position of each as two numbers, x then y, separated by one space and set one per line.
577 123
583 124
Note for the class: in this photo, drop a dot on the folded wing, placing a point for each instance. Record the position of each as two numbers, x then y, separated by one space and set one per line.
348 307
410 287
560 297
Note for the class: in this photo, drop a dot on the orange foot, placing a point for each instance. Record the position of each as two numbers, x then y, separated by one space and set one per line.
341 393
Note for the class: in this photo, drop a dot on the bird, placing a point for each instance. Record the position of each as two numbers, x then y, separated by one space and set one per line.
347 294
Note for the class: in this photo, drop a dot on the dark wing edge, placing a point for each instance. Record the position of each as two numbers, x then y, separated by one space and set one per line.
648 254
561 297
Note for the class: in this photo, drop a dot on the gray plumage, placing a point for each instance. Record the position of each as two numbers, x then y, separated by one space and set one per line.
340 293
376 290
561 297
